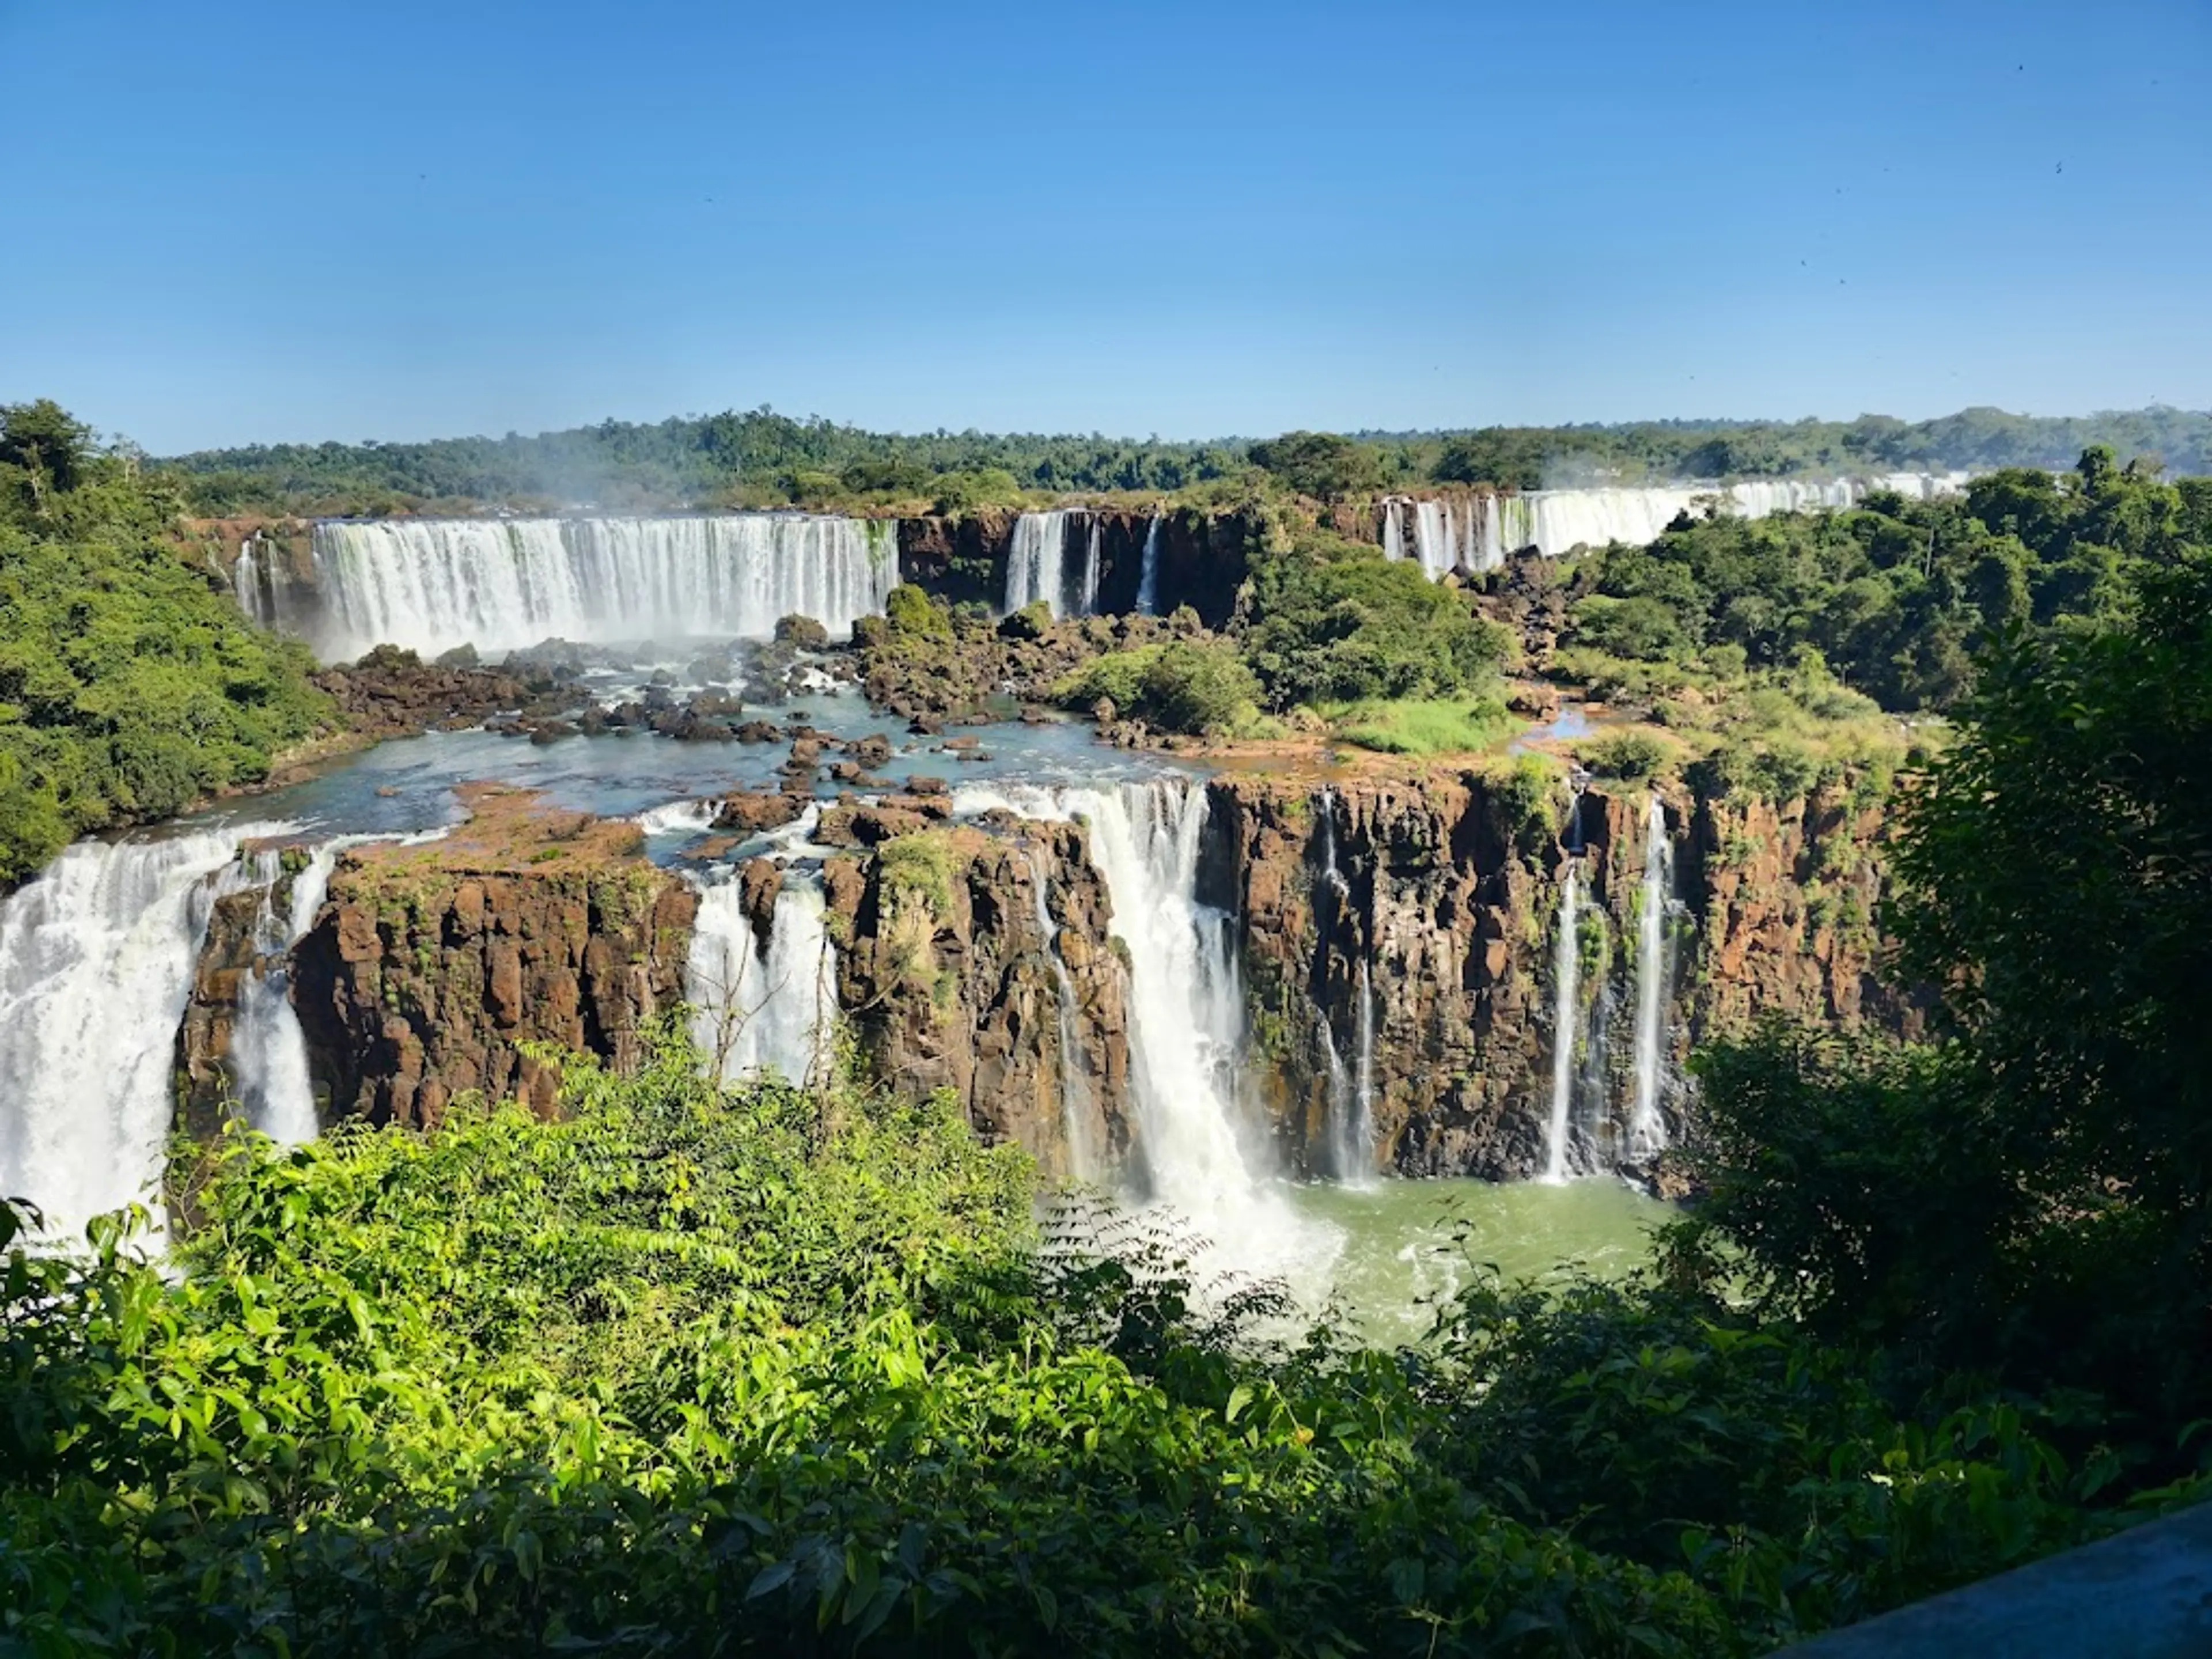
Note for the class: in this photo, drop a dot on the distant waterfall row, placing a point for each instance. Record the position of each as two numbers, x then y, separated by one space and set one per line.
499 585
1583 1135
1473 534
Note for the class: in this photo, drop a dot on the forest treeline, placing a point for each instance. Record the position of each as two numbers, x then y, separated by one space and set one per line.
761 458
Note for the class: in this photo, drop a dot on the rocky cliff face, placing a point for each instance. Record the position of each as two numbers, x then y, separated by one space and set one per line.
980 960
1425 912
1201 558
430 966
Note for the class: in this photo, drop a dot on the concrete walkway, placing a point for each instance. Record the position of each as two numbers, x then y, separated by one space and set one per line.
2146 1593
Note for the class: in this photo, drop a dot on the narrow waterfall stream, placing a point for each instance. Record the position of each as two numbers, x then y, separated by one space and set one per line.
1647 1127
96 958
1148 577
1566 980
759 1007
1087 605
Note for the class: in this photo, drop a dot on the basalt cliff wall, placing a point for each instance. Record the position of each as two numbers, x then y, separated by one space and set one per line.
1415 914
1438 933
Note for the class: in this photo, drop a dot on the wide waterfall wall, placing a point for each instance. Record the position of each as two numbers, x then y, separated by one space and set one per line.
96 959
499 585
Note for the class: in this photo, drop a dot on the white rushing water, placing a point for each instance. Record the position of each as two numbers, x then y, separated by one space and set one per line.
96 960
760 1007
1186 1020
268 1049
1087 602
1148 575
1647 1127
679 817
1474 533
433 584
1567 981
1035 563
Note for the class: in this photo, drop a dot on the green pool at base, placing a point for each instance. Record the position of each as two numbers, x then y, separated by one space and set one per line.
1406 1246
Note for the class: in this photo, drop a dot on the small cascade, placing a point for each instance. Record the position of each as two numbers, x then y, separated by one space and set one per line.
1148 578
268 1049
1364 1075
1035 562
1394 528
96 959
755 1007
1647 1127
1566 980
1087 605
679 817
1074 1080
254 586
432 584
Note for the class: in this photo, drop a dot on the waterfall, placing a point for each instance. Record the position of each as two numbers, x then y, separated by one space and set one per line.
1647 1128
96 960
1474 534
1088 606
1074 1084
1185 1015
256 592
1566 976
1148 580
432 584
763 1007
1035 561
268 1049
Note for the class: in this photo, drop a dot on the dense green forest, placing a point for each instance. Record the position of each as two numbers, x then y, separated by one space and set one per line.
763 459
130 685
763 1369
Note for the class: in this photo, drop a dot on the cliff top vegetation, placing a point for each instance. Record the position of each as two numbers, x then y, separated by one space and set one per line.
130 685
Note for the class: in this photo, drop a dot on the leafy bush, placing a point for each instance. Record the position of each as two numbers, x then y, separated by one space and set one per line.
960 493
1631 757
1198 687
1343 629
913 613
1116 676
1031 621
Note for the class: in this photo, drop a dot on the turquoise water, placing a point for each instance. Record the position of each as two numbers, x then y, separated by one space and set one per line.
1406 1247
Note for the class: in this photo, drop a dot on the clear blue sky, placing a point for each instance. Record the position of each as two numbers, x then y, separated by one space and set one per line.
240 220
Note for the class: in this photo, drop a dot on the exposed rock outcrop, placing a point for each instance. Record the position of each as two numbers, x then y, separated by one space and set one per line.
948 940
430 967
